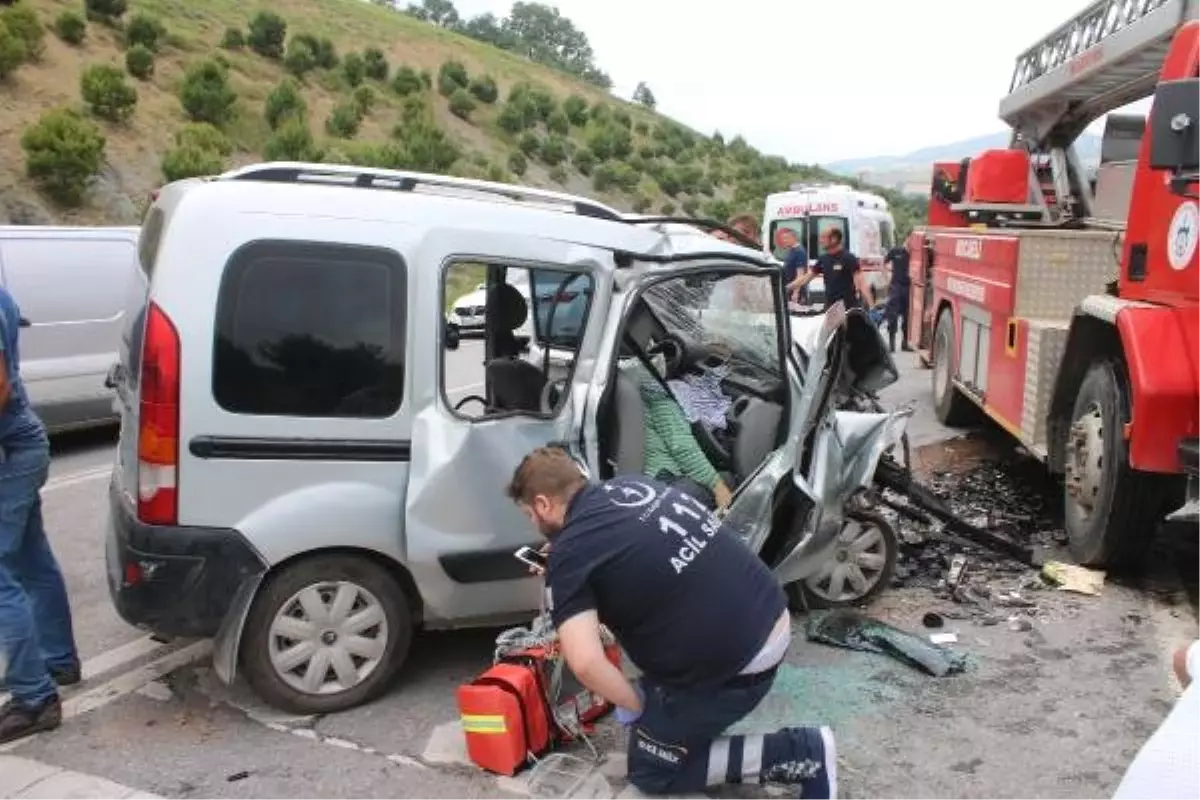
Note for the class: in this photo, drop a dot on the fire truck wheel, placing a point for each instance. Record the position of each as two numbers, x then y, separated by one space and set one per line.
862 566
326 634
1111 510
951 407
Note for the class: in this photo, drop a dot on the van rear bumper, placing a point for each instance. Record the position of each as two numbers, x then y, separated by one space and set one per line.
174 580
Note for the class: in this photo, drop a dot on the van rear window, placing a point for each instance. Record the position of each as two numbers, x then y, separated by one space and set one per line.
149 239
311 330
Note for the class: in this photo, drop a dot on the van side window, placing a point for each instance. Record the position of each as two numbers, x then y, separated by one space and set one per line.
311 330
520 330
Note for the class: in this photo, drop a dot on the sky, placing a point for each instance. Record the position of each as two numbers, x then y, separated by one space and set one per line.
816 81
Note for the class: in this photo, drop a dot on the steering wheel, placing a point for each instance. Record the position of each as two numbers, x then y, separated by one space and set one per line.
469 398
551 393
673 351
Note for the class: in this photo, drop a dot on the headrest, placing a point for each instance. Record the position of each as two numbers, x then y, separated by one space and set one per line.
509 305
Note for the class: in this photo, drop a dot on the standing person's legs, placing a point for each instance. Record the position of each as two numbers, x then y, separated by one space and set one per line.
676 745
28 573
904 343
43 582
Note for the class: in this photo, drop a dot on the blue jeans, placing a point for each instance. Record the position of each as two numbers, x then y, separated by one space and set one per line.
676 745
35 618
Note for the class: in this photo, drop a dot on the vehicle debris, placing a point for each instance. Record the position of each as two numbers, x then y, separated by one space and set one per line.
1072 578
854 631
943 638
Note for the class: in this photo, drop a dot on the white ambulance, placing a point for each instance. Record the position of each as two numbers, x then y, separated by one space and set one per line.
809 210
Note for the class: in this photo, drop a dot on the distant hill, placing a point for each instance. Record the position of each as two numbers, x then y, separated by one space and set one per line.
910 172
343 81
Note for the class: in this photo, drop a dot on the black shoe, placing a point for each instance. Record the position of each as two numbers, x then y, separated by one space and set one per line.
18 721
66 676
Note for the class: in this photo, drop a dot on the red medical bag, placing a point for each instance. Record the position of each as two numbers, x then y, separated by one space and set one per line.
998 176
508 715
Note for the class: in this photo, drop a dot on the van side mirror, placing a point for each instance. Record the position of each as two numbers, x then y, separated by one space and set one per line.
452 336
1173 126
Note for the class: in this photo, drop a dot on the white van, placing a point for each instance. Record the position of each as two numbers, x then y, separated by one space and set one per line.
71 285
868 229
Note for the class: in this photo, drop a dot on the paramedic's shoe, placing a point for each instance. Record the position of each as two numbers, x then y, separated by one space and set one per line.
805 758
18 721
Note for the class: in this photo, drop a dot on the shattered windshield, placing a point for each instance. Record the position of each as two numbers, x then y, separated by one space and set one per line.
735 315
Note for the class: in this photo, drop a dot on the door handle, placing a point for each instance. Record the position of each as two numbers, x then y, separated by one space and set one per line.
25 323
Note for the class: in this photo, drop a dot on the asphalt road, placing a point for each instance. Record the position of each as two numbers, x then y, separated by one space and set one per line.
1056 711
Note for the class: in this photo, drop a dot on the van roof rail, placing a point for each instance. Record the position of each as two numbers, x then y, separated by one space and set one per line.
397 180
703 224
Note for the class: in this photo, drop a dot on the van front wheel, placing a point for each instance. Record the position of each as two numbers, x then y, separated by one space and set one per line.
326 634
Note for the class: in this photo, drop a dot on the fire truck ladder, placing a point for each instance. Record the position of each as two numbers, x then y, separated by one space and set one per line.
1108 56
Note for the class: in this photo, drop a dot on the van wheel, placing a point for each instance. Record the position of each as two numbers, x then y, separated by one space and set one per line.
326 634
862 566
1111 510
951 407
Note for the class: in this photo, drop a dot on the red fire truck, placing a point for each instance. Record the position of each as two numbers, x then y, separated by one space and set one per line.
1065 305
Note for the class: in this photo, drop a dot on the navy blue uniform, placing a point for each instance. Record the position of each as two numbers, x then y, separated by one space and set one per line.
692 606
898 291
839 270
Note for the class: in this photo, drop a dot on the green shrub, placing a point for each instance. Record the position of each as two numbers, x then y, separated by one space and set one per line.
203 136
529 144
614 175
363 101
452 76
610 141
71 27
421 145
485 90
512 118
62 152
106 11
326 53
106 92
343 121
268 31
23 23
585 160
145 30
553 151
558 123
285 103
139 62
558 174
12 52
206 95
641 203
517 164
292 142
189 161
600 112
642 128
576 110
690 206
497 174
375 63
301 57
233 39
354 69
406 81
622 118
667 208
462 104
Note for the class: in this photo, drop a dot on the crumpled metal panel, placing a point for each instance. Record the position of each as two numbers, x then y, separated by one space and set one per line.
846 450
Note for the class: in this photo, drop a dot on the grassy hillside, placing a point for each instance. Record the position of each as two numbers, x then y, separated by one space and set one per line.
621 153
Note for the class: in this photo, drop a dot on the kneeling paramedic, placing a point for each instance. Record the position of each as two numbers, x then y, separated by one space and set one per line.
693 607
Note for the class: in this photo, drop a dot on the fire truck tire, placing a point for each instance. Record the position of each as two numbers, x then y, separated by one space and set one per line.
951 407
326 634
1111 510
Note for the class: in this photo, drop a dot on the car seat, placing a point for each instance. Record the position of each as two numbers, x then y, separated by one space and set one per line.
514 383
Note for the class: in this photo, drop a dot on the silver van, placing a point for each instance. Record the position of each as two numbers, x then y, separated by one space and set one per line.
72 286
311 463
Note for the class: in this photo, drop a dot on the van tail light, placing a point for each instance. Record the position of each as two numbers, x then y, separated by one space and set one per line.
158 422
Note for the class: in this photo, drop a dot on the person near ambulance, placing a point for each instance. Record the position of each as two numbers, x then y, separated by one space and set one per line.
699 613
795 263
844 279
899 286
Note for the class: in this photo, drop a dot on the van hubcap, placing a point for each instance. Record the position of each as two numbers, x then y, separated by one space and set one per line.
328 637
856 566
